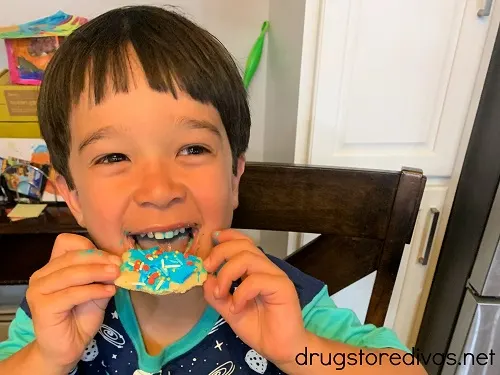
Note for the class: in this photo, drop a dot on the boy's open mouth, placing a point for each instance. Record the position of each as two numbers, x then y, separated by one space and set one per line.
178 239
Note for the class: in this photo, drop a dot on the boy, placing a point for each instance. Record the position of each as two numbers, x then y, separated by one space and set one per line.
147 122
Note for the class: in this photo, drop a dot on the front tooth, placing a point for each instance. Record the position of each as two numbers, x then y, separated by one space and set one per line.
151 235
182 230
176 232
169 234
159 236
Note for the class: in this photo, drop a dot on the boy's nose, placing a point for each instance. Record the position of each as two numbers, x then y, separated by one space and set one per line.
159 190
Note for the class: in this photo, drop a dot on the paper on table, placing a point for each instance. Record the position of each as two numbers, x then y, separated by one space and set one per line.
27 210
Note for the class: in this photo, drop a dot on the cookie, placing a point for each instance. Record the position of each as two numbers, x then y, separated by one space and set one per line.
160 272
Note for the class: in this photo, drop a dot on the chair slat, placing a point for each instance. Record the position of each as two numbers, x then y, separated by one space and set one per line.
345 202
337 261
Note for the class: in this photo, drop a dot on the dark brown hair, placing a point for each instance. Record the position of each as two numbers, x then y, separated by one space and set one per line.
174 53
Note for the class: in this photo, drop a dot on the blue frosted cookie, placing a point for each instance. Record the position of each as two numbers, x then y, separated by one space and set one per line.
160 272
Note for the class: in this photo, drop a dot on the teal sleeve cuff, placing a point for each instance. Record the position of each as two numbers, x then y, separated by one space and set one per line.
21 333
323 318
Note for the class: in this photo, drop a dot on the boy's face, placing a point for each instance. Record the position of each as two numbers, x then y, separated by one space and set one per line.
146 163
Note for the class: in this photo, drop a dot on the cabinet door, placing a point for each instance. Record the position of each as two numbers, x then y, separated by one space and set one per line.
413 268
394 79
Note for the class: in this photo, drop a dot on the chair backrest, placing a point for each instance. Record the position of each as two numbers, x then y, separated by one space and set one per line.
364 218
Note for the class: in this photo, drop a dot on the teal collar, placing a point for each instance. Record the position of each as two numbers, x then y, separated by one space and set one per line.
151 363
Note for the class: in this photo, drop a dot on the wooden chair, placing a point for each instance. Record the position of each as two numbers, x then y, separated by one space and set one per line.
364 219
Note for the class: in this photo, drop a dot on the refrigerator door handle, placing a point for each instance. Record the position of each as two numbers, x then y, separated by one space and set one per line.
435 217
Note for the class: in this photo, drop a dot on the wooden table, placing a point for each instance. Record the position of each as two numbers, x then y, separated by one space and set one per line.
25 245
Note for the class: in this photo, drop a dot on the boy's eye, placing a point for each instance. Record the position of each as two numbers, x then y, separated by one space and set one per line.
111 158
194 150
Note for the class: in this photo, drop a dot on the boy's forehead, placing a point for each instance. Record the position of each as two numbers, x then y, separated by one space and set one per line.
141 105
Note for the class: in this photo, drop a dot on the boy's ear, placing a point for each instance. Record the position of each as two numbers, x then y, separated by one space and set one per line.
71 199
236 180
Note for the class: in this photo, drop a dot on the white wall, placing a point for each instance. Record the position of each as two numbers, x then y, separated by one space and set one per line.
285 53
236 23
282 95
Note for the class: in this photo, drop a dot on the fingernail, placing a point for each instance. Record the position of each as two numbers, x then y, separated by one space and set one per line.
206 263
116 260
231 308
216 292
109 288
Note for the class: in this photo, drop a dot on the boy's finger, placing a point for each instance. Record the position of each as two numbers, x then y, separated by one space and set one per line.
102 303
225 251
271 288
229 235
69 298
76 275
83 257
69 242
222 305
243 264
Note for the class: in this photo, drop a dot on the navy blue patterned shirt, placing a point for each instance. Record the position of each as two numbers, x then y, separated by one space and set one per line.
211 347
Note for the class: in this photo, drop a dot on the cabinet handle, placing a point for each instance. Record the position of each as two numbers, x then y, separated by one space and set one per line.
435 217
486 11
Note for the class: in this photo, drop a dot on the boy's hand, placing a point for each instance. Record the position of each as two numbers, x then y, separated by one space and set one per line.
264 310
67 298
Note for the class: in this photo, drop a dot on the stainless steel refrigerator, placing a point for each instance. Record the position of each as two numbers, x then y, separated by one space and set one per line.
460 330
475 343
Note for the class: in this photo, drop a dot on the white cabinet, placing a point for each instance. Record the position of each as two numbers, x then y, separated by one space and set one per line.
392 87
394 79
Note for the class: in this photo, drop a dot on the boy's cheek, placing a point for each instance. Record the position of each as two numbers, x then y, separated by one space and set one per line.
107 235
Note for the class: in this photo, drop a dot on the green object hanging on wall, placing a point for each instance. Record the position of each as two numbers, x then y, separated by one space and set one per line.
255 55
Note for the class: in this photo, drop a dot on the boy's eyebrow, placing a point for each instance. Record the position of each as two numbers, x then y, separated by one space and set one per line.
201 124
188 122
95 136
